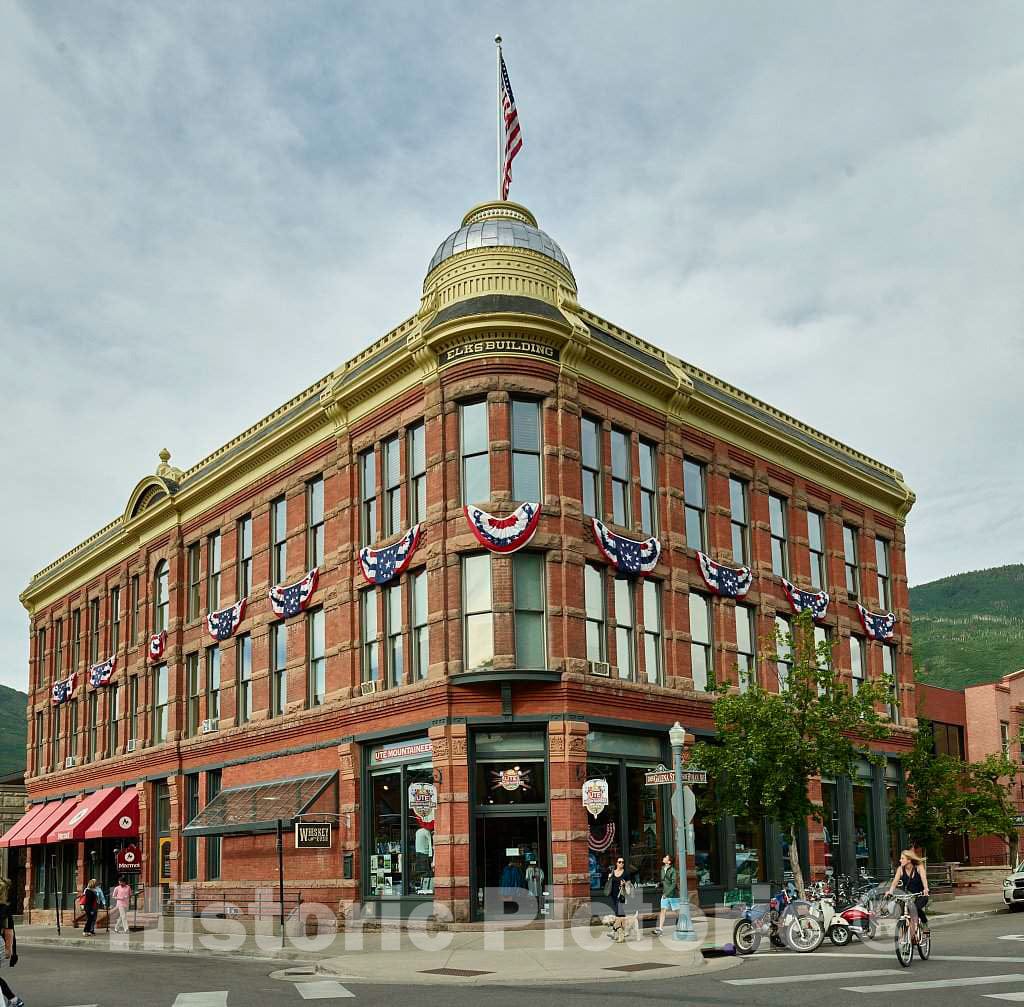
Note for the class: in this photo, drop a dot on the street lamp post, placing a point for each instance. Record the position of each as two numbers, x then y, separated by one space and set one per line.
684 925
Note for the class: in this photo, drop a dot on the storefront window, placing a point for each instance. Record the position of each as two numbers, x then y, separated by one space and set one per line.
645 815
893 773
510 781
830 826
750 859
705 852
863 827
603 841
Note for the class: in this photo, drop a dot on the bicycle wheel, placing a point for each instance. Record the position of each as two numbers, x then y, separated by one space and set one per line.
904 947
746 938
924 947
804 933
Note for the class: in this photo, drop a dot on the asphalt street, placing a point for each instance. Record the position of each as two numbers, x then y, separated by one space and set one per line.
978 962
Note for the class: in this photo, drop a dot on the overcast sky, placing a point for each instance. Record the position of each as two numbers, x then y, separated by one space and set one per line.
205 207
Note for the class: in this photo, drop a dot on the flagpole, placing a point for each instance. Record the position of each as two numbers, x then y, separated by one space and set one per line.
497 44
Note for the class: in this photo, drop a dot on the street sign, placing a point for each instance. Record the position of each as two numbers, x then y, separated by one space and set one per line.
128 860
1018 821
662 777
312 835
689 805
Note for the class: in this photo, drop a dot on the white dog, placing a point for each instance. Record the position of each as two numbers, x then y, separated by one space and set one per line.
630 925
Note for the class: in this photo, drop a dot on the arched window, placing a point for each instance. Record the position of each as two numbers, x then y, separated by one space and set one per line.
162 598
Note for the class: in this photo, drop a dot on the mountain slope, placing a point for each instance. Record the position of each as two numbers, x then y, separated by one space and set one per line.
12 730
969 628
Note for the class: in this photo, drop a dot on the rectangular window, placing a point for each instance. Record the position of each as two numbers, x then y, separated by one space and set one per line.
777 522
528 592
850 562
420 630
694 504
816 545
474 438
395 671
882 563
73 728
783 652
213 843
162 598
416 439
243 545
38 761
621 509
243 678
648 487
857 669
1004 738
746 646
40 657
115 619
889 670
133 708
368 496
526 450
193 581
159 703
392 473
113 718
76 638
278 540
624 621
94 630
192 842
315 523
652 631
822 652
478 634
738 520
368 620
590 460
213 572
136 603
316 664
93 735
55 739
213 683
58 650
193 691
594 595
701 666
278 668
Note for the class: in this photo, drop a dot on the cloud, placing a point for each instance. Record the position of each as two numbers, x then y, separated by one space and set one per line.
206 208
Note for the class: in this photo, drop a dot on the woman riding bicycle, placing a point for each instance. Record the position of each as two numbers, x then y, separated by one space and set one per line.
910 876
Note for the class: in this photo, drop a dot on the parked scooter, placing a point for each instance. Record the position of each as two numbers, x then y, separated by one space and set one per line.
785 920
859 920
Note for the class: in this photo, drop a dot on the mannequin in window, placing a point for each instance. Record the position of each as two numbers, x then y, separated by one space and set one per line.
535 880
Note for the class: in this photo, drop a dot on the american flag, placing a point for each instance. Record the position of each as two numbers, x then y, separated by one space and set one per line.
878 626
223 624
157 645
817 602
62 691
100 674
381 565
629 557
513 135
291 600
728 581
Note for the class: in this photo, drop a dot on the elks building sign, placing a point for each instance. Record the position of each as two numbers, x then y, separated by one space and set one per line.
481 347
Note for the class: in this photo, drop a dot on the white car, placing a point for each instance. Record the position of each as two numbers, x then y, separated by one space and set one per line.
1013 888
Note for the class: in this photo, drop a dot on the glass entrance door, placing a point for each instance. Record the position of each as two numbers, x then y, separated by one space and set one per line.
512 871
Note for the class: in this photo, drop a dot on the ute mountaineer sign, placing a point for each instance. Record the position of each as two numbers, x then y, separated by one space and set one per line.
595 796
423 800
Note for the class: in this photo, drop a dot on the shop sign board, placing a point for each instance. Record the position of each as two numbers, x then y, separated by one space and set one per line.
1018 821
510 779
402 751
423 800
662 777
312 835
595 796
128 860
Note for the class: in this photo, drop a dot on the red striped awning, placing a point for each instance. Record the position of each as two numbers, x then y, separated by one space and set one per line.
35 834
22 824
119 820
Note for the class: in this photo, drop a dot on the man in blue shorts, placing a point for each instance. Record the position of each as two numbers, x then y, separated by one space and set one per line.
669 891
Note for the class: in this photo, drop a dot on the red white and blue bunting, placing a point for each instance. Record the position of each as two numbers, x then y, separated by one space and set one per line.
876 625
291 600
801 601
381 565
504 534
101 674
222 625
63 691
629 557
728 581
157 645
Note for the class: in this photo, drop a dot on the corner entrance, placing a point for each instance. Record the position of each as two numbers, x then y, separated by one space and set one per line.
511 867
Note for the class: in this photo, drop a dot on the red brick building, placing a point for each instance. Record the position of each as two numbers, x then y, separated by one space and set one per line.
494 684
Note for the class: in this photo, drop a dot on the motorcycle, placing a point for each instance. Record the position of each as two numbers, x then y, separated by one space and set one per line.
785 920
858 920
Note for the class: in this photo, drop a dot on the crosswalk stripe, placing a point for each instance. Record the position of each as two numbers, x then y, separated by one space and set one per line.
323 990
1004 996
936 984
211 998
817 977
858 955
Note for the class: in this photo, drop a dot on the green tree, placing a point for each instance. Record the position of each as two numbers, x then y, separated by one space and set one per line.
771 744
989 805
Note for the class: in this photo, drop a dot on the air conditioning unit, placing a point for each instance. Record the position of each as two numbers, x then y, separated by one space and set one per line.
132 745
368 688
70 762
208 726
602 668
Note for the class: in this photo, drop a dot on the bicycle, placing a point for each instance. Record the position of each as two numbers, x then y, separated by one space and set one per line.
904 933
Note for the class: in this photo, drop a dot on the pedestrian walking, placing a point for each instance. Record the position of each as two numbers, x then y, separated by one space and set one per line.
8 944
120 896
669 891
90 902
619 888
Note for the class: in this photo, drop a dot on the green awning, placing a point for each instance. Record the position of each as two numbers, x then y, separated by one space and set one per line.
259 807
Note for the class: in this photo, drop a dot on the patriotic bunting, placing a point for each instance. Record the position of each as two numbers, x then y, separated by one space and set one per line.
381 565
876 625
101 674
804 600
728 581
290 600
603 841
222 625
504 534
157 645
635 559
62 691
